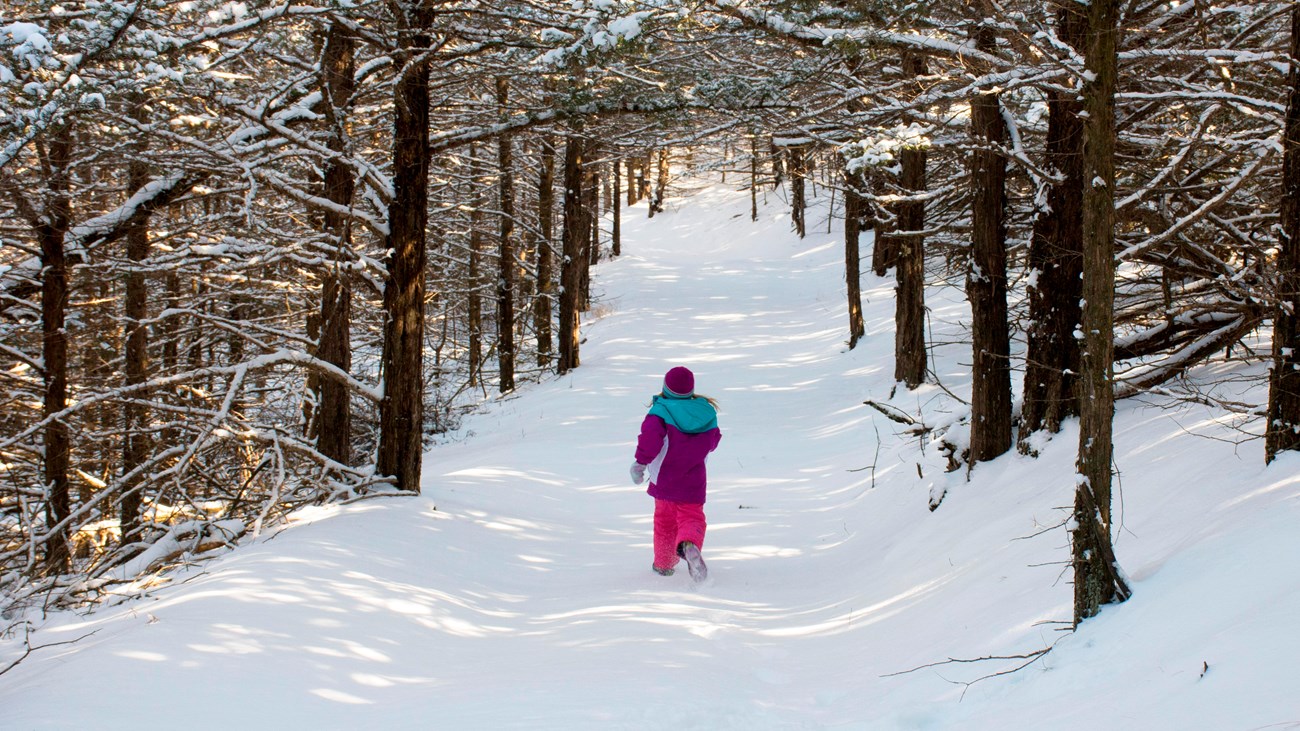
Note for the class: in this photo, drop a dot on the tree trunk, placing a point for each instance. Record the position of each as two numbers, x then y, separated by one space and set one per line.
986 279
242 309
574 233
401 412
589 201
333 420
1283 427
171 346
1097 580
753 177
909 317
506 252
655 205
633 185
135 415
661 179
54 305
884 250
474 301
867 215
643 177
853 256
798 197
616 231
1056 258
545 263
593 182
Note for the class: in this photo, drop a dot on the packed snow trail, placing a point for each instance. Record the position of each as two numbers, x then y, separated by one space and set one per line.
516 592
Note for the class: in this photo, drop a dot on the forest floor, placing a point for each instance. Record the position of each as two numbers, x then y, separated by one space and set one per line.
516 591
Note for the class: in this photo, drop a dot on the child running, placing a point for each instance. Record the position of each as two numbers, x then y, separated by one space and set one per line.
676 438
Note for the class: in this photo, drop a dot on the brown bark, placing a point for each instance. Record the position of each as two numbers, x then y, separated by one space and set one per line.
333 420
884 250
573 235
643 176
474 301
868 217
545 260
853 256
654 205
910 360
401 411
589 248
909 319
135 415
798 199
51 232
1056 257
661 179
506 252
986 279
1097 580
1283 427
633 182
616 230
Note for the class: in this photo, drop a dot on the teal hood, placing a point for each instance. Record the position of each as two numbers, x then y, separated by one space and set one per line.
688 415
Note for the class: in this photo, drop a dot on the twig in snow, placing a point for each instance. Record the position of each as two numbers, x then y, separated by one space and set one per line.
893 413
1029 658
30 649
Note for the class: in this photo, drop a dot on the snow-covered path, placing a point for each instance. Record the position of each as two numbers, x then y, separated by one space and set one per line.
516 592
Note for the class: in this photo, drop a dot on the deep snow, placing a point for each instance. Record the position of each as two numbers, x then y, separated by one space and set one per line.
516 591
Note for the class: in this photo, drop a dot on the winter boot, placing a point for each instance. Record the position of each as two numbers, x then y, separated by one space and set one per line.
694 561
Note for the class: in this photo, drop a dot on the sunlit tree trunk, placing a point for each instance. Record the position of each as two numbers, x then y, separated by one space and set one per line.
401 411
661 179
333 420
655 204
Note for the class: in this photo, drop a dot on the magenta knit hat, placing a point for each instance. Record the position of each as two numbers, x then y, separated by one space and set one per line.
679 382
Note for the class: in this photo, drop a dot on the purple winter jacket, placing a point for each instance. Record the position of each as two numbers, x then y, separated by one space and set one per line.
675 441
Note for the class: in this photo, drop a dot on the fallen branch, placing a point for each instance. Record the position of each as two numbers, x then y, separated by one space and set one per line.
895 414
31 649
1029 659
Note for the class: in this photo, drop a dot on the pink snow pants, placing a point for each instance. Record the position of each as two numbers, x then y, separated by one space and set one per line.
674 523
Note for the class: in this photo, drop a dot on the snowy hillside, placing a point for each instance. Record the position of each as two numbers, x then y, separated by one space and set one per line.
516 592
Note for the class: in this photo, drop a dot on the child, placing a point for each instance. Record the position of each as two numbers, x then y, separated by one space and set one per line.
676 438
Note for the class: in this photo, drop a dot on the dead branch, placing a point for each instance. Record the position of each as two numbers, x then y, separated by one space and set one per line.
896 415
1028 658
30 649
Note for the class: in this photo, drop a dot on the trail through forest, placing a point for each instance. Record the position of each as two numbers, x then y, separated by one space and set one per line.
516 591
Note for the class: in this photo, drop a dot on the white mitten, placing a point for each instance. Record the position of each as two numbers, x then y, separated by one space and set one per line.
638 473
